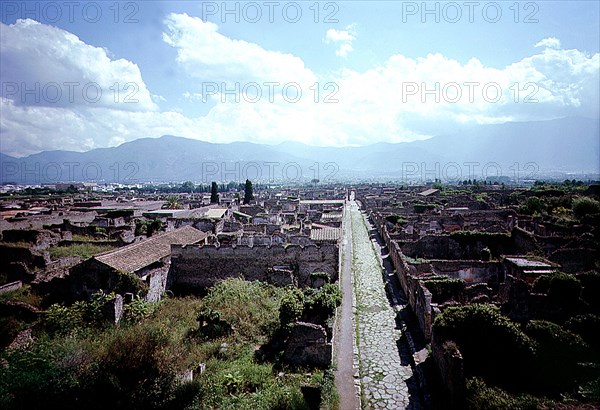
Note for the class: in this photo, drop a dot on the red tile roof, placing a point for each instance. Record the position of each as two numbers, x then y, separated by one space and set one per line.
132 258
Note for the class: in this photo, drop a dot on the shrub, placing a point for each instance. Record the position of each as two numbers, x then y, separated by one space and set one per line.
32 379
492 346
137 310
588 327
533 205
584 205
292 305
541 284
421 208
320 275
252 308
211 324
590 281
130 283
136 368
322 302
64 320
564 289
556 348
480 396
108 367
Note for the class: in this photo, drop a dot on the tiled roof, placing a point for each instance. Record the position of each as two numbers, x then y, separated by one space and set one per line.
134 257
428 192
216 213
326 234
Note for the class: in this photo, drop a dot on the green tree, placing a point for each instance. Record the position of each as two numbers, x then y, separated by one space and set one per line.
584 205
532 205
248 194
155 226
188 186
214 193
173 203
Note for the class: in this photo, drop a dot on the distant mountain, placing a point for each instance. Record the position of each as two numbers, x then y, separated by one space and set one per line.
562 145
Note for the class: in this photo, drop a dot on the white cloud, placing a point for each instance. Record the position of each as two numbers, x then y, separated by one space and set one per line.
206 54
549 42
391 102
343 38
344 50
46 66
335 36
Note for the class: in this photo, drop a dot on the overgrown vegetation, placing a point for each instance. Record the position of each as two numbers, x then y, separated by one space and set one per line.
396 219
512 368
481 396
557 348
80 360
149 228
481 329
421 208
584 205
563 289
445 289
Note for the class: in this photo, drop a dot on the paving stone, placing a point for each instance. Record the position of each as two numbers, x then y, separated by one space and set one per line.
383 375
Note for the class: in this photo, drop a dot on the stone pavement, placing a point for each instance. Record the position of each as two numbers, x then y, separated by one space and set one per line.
381 356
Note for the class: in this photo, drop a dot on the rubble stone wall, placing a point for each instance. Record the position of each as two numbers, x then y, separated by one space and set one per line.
200 267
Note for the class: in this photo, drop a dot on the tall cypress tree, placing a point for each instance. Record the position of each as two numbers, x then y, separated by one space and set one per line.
248 196
214 193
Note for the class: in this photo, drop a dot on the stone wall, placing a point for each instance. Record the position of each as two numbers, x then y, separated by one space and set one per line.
433 246
523 241
471 271
200 267
39 239
521 305
19 262
449 363
11 286
419 297
156 278
307 345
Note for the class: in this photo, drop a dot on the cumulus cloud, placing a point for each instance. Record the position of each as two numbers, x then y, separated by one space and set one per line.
343 38
206 54
402 99
46 66
549 42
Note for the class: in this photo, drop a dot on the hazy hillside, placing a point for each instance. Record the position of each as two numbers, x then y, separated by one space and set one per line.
567 145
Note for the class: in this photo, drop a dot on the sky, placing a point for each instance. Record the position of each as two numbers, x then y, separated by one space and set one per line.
83 75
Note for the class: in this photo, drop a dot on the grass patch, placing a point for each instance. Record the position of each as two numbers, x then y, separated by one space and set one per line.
20 244
23 294
86 238
85 250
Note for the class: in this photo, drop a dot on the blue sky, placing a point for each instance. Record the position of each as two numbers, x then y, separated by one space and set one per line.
366 71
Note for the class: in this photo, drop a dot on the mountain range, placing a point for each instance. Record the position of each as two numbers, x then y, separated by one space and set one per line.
516 149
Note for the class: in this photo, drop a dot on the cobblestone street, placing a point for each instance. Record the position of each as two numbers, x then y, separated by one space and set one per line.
385 374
